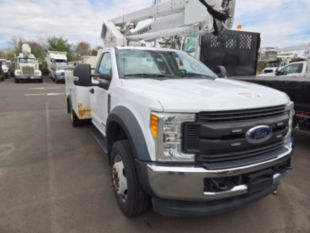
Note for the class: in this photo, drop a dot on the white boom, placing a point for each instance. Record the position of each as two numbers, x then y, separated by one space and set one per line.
168 19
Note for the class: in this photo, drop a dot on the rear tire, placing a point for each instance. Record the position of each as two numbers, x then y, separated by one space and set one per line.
130 197
76 122
16 81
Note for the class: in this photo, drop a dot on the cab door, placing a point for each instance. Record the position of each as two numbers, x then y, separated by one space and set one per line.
100 95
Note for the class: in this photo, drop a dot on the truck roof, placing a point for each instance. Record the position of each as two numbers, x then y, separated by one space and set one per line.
57 55
147 48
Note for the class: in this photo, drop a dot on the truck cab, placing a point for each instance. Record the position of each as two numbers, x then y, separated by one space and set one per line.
27 68
1 71
179 137
295 69
5 68
57 63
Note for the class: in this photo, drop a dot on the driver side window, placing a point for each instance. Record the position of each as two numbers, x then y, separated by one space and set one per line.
190 44
105 67
293 68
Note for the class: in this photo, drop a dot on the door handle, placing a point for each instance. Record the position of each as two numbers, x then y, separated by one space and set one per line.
92 90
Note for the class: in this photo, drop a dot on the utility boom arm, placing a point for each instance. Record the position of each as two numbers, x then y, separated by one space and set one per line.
168 19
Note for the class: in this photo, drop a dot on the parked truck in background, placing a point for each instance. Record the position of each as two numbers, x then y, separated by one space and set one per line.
5 67
27 66
175 134
1 71
297 68
56 64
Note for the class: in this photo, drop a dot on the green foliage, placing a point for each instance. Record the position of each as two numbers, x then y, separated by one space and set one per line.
61 44
37 50
43 68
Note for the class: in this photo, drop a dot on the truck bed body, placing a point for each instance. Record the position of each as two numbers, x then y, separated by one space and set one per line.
237 51
296 87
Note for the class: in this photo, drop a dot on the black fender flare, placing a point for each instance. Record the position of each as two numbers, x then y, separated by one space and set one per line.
130 125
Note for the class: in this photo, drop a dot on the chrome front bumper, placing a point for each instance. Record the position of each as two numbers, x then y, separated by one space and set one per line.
187 183
60 77
30 77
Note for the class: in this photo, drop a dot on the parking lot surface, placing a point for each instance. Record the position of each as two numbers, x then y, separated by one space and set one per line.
56 179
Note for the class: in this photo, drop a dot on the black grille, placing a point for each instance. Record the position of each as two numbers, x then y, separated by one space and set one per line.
241 114
225 157
192 137
218 139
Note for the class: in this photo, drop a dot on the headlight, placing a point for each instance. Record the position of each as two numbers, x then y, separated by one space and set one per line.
291 112
18 72
167 132
38 73
5 69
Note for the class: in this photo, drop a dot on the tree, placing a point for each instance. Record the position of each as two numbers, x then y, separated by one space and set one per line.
94 52
17 44
82 49
60 44
37 50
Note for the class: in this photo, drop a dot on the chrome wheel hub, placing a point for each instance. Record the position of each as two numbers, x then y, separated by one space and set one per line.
119 178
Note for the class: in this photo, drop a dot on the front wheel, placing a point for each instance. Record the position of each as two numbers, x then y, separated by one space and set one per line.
16 81
130 197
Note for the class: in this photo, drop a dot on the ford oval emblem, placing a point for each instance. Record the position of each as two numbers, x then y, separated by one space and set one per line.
259 134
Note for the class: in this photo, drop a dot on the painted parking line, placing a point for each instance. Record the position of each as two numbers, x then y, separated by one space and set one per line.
39 94
45 94
53 94
45 88
37 88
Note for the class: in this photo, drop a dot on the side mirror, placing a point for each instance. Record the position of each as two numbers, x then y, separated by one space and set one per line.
221 72
103 83
279 72
83 72
102 80
191 50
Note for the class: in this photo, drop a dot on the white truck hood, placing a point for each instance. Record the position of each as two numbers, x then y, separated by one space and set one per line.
195 95
60 71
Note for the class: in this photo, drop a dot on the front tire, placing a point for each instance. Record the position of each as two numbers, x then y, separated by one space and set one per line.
16 81
130 197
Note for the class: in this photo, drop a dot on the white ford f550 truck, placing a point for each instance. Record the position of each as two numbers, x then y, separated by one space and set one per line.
176 135
175 132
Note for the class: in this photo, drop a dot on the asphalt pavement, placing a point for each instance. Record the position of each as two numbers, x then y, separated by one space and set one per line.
56 179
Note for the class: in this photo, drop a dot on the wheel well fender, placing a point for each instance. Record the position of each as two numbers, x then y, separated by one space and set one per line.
122 124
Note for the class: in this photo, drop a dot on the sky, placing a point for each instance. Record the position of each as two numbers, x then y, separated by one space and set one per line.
280 22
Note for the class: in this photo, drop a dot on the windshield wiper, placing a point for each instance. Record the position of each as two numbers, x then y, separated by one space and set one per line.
192 75
148 75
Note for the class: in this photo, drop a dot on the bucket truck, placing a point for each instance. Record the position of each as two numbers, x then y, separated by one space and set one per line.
27 66
56 63
177 135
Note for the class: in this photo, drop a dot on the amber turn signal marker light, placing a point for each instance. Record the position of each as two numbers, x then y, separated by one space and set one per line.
154 125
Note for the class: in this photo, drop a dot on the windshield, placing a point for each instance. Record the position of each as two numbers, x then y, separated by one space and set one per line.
160 64
61 65
26 60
